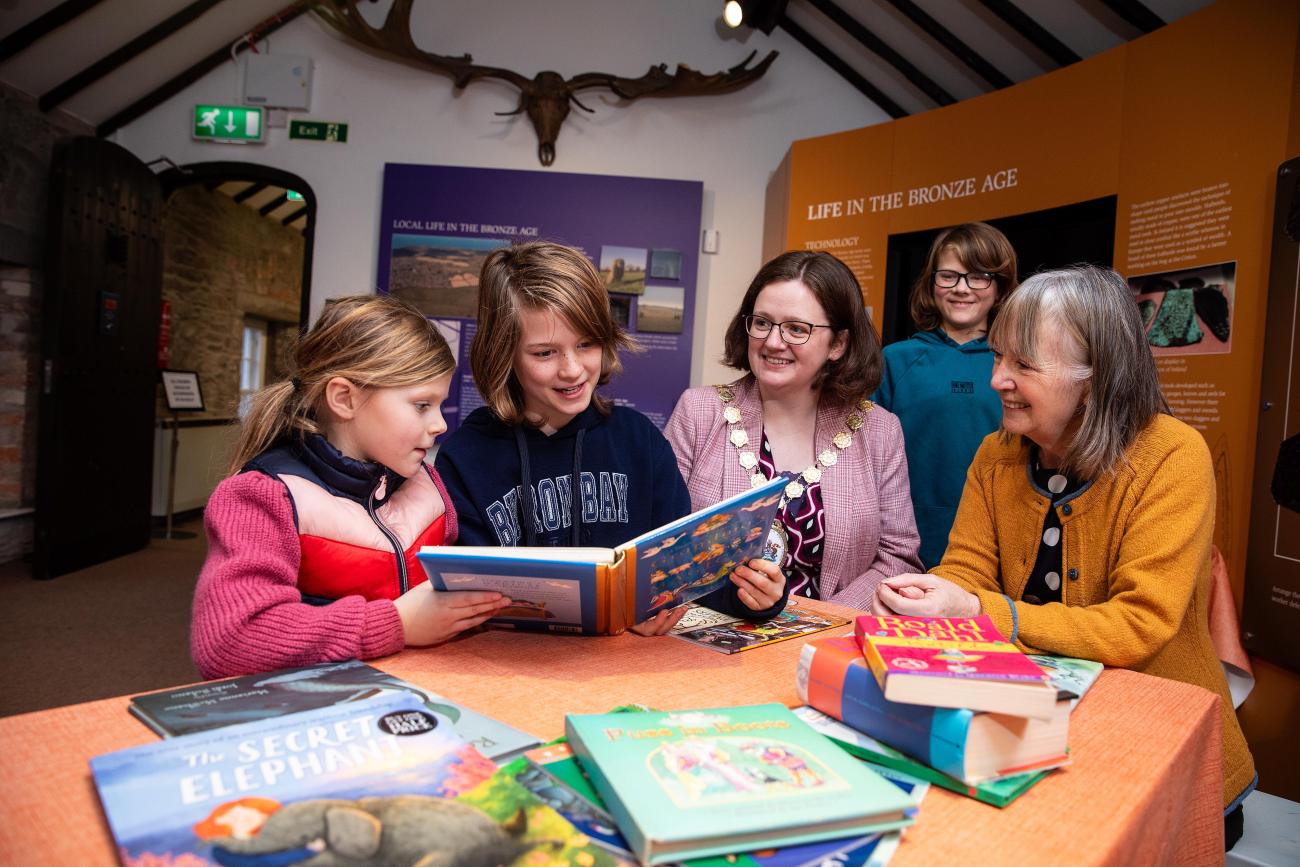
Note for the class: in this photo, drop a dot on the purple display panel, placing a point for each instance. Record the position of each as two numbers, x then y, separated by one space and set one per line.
438 223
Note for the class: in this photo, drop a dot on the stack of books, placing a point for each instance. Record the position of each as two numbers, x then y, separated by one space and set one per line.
948 700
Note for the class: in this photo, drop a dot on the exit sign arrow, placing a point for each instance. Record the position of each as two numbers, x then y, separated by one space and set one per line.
242 124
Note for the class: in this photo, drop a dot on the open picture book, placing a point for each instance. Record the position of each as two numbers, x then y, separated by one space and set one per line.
602 591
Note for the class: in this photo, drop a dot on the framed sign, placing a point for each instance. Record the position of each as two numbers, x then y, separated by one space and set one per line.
182 390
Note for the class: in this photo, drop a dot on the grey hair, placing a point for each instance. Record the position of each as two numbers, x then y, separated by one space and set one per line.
1092 313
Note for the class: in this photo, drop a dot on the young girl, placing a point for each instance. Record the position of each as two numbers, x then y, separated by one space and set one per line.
937 383
312 538
548 461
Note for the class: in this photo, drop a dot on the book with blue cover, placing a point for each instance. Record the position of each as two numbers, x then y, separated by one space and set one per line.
215 704
694 783
602 591
379 781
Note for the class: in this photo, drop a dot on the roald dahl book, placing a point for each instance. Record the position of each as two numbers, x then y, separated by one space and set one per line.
602 591
292 690
962 662
686 784
972 746
379 781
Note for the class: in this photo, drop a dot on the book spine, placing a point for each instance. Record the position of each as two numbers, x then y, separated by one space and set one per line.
839 683
870 652
149 721
632 833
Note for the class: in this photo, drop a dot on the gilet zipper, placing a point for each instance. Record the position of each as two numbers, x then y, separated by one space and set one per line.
402 579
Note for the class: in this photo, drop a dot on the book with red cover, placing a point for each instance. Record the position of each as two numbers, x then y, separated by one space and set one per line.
959 662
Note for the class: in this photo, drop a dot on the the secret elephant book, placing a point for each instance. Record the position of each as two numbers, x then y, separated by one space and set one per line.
379 781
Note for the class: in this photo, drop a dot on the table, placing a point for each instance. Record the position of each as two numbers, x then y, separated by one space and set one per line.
1145 786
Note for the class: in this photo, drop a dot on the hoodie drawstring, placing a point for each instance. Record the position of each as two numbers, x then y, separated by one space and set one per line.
575 491
526 492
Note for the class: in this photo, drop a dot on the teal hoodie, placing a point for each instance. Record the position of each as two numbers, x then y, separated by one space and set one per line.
941 394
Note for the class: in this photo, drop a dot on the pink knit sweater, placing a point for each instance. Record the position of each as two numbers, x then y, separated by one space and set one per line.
248 614
870 531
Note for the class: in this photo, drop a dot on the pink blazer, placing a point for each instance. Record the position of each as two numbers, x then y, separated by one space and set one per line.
870 530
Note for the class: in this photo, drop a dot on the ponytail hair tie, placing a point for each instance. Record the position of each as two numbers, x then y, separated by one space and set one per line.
296 383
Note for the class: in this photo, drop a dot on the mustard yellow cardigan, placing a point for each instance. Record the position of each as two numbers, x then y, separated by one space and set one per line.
1135 550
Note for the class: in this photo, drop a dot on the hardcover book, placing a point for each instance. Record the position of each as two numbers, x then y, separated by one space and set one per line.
379 781
602 591
688 784
258 696
957 662
736 635
999 792
557 779
971 746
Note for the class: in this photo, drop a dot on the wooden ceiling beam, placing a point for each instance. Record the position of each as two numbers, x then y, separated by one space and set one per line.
248 192
1036 34
848 73
43 26
945 37
883 50
1136 13
137 46
273 204
159 94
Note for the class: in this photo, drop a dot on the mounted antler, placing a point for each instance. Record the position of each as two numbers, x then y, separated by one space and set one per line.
546 97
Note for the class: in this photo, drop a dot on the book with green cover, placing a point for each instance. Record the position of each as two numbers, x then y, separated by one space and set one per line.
686 784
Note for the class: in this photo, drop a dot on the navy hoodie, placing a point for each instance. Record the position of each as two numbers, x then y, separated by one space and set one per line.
620 465
940 391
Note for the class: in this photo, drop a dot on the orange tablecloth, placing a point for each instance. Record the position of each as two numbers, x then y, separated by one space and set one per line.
1145 786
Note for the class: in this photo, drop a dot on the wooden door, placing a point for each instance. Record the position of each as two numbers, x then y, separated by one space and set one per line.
101 304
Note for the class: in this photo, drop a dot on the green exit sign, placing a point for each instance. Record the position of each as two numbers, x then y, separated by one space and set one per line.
227 123
318 130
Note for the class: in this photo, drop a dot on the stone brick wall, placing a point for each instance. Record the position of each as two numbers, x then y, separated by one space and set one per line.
223 262
27 139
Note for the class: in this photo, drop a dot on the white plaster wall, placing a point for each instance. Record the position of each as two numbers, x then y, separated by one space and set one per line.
398 113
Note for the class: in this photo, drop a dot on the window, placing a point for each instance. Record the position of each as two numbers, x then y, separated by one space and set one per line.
252 362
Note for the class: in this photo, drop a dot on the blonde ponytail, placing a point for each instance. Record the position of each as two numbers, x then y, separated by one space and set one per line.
374 341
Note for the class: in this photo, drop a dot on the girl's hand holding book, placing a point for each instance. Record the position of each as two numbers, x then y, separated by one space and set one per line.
430 617
761 584
662 623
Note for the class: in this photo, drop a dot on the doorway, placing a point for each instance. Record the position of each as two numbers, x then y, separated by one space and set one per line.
237 257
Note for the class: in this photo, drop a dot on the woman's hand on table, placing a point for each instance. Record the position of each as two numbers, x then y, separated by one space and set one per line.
661 623
760 584
923 596
431 617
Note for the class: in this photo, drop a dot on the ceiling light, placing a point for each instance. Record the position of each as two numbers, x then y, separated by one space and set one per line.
733 14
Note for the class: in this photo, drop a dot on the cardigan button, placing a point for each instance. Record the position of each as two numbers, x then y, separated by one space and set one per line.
1073 574
1066 509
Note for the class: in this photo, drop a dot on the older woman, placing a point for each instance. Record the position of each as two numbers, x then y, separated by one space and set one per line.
1085 525
810 358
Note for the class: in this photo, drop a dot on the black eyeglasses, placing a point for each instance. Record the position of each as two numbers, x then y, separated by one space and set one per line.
975 280
792 331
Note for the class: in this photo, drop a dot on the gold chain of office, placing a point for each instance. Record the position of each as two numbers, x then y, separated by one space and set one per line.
813 474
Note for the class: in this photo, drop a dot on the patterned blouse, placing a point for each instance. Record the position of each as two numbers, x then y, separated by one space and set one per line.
804 521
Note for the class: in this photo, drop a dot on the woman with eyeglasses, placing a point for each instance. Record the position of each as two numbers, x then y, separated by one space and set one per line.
810 358
936 382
